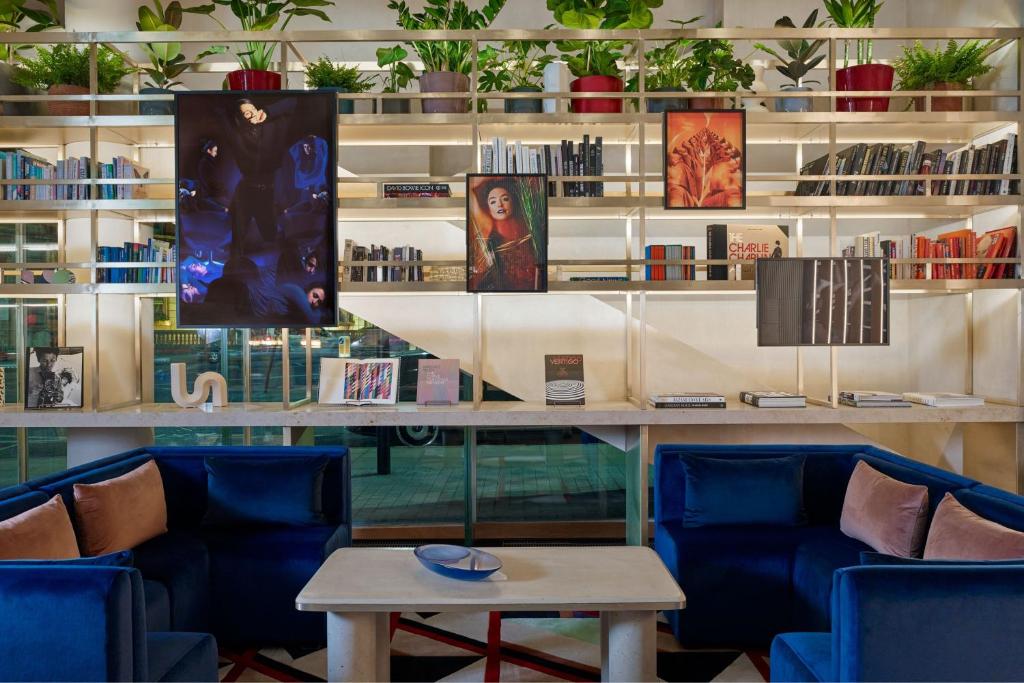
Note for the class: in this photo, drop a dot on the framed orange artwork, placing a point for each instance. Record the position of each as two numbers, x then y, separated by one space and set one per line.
705 159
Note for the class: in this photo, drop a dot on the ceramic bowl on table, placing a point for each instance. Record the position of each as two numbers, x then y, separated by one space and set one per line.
457 562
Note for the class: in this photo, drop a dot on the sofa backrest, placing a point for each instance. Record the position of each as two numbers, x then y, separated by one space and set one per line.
913 472
994 504
17 499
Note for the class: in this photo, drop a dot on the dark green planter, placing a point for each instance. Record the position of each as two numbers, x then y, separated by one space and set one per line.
156 108
524 106
394 106
657 105
344 106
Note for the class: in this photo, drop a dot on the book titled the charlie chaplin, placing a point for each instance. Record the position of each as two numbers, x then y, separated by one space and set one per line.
563 380
437 381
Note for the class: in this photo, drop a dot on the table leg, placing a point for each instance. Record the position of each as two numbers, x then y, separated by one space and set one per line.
629 646
358 646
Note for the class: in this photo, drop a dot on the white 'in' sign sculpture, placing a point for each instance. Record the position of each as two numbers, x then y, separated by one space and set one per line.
205 383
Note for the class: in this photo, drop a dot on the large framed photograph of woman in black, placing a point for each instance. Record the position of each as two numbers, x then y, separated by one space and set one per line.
256 179
506 233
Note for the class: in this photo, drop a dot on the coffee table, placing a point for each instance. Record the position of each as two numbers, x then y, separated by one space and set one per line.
359 587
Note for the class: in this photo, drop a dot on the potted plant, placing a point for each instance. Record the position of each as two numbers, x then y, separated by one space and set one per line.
595 63
952 68
446 63
712 67
518 66
324 75
15 16
665 72
166 61
258 15
397 76
64 70
802 57
864 75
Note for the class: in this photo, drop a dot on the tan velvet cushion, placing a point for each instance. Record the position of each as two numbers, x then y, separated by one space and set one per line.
120 513
959 534
887 514
42 533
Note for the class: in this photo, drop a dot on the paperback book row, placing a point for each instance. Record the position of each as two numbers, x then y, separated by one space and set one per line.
21 165
568 158
153 251
965 243
999 157
406 258
670 271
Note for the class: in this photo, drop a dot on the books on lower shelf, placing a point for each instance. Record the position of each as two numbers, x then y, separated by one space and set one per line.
406 268
18 164
963 243
943 399
872 399
998 157
567 158
670 271
563 380
773 399
153 251
687 400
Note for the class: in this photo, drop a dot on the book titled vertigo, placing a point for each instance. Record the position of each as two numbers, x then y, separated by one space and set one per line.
563 380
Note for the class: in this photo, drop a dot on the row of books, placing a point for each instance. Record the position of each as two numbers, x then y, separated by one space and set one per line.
671 271
406 268
964 243
153 251
885 399
21 165
999 157
567 158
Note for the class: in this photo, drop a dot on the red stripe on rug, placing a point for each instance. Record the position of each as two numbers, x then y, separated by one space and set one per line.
492 672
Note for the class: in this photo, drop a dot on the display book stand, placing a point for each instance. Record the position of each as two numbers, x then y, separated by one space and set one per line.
86 310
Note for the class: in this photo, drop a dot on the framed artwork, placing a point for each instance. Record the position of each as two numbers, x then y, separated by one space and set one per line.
53 377
256 178
347 381
705 159
506 232
822 301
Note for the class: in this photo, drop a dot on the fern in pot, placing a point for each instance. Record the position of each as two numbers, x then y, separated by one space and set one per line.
16 16
951 68
801 57
64 70
517 66
446 63
324 75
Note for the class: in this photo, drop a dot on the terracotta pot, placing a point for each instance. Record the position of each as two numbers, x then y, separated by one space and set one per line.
942 103
710 103
597 105
254 79
67 108
444 81
864 77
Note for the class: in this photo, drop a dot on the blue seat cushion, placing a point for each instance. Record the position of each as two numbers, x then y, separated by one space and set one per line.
265 490
273 563
121 558
158 606
817 557
737 581
729 491
181 563
994 505
182 657
872 559
801 658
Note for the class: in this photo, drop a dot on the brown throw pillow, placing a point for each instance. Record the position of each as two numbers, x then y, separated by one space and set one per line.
959 534
887 514
120 513
42 533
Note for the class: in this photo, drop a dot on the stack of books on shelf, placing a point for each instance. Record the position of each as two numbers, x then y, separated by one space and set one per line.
670 271
687 400
872 399
21 165
153 251
585 158
406 269
998 157
405 190
943 399
773 399
964 243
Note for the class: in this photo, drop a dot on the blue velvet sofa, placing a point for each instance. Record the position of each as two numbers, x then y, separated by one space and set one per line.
745 584
236 581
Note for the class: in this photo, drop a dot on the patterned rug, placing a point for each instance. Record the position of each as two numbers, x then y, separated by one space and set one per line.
547 646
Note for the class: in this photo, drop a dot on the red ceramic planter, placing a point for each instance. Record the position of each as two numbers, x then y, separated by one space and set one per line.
253 79
597 105
864 77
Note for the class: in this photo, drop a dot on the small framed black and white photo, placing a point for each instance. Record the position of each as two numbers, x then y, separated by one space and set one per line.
53 377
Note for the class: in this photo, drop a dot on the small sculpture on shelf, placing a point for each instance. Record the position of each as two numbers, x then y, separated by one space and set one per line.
205 383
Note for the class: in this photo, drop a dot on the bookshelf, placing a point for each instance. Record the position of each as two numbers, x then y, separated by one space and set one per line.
630 215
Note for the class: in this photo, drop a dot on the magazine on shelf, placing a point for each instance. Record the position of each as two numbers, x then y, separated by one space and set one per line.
944 399
773 399
437 381
347 381
563 380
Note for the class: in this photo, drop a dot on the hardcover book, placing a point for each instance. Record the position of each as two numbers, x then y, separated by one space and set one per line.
741 242
563 380
773 399
347 381
437 381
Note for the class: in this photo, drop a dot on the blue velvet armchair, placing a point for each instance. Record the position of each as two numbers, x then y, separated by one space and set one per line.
913 623
88 623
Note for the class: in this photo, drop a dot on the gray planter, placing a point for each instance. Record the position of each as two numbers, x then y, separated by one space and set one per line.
794 104
156 108
9 88
524 106
657 105
394 106
444 81
344 106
